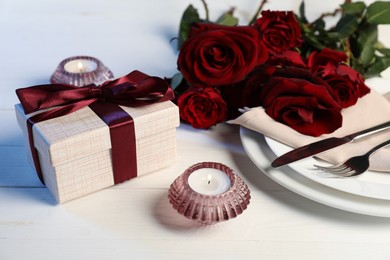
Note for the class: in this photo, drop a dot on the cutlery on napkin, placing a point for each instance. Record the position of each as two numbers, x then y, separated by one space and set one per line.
370 110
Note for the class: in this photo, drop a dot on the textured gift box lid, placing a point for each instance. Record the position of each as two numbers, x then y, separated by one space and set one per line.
82 132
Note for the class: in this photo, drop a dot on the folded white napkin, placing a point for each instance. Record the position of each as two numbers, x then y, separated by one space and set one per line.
369 111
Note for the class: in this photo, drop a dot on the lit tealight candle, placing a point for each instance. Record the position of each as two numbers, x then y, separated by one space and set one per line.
209 192
80 71
80 66
209 181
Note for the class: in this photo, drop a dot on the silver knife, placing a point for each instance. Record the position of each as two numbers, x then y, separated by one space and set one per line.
323 145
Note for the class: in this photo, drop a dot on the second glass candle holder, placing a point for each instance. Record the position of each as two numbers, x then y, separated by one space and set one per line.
208 197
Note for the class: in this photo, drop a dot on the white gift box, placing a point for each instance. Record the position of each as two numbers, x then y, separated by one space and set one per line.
75 150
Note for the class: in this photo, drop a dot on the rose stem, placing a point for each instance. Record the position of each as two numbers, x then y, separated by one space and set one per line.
263 2
334 13
206 9
347 41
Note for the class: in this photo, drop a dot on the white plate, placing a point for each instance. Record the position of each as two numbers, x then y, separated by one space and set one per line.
261 154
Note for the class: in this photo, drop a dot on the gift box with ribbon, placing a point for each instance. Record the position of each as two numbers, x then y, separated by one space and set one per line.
84 139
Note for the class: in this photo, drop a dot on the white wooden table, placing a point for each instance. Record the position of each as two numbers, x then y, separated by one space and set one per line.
134 220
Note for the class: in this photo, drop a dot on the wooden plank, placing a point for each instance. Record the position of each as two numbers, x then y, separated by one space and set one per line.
120 223
117 248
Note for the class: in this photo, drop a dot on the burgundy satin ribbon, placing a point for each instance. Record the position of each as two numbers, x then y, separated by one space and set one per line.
134 90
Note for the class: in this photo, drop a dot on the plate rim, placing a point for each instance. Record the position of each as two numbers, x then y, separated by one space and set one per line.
261 155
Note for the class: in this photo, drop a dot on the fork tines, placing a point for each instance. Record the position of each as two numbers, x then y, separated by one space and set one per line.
338 170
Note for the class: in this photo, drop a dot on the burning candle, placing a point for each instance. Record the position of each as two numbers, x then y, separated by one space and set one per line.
209 181
80 71
80 66
209 192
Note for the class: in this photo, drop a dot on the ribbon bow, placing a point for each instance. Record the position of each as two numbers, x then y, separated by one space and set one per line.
133 90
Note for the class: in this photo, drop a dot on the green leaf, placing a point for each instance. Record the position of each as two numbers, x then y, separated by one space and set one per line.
378 13
385 51
319 24
376 68
302 14
189 17
368 35
347 25
176 80
227 19
334 36
354 8
367 55
313 41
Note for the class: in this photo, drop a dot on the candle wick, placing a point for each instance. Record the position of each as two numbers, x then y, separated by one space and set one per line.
209 179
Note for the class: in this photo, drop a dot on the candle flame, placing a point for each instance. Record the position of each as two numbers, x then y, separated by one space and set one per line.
80 67
209 177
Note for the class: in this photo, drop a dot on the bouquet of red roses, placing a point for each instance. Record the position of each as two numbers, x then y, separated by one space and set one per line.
301 73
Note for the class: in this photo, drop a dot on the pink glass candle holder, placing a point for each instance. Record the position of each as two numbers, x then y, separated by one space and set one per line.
80 71
209 193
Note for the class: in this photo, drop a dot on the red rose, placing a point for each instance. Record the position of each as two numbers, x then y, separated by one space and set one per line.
326 56
240 95
279 30
216 55
287 58
295 97
347 83
356 78
202 108
344 88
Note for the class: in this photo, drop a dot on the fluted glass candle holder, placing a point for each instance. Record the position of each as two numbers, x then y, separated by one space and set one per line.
214 195
81 71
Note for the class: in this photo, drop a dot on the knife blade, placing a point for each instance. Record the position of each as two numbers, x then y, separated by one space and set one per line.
324 145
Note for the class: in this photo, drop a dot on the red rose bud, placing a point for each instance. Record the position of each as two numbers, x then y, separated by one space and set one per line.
202 108
216 55
279 30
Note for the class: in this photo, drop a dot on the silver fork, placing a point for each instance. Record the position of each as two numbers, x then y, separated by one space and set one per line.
354 165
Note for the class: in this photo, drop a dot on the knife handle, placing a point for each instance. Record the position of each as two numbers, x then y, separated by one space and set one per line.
369 131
